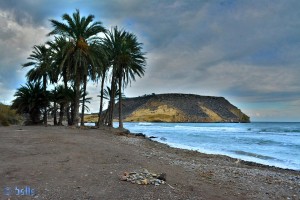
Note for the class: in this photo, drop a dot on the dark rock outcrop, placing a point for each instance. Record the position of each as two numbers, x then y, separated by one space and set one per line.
180 108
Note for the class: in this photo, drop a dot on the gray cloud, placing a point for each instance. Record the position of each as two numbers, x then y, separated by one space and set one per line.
247 51
34 12
16 41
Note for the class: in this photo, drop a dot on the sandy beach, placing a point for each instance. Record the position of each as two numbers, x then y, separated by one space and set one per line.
71 163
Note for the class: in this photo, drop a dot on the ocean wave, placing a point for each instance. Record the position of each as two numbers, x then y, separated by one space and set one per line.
263 142
145 124
210 129
179 126
255 155
281 131
291 130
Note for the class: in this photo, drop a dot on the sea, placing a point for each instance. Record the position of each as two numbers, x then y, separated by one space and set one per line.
274 144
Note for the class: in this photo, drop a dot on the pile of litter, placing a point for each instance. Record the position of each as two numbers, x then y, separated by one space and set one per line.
144 178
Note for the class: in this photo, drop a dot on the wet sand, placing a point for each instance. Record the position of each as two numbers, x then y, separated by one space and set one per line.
70 163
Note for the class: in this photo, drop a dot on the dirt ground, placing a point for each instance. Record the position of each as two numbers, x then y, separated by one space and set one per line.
38 162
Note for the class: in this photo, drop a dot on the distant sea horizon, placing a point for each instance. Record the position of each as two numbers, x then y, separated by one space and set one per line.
269 143
274 122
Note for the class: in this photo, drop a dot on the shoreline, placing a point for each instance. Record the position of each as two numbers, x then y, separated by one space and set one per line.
245 154
84 163
245 162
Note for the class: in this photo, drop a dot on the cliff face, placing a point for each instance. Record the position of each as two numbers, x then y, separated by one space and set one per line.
180 108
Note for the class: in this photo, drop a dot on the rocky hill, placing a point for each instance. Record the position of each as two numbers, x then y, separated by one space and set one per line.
180 108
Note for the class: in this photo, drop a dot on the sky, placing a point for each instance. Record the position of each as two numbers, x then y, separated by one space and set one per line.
246 51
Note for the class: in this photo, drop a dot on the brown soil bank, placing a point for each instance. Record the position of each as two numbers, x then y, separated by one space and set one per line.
65 163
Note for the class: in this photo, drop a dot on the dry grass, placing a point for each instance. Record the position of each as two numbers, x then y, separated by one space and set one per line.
162 113
8 116
91 118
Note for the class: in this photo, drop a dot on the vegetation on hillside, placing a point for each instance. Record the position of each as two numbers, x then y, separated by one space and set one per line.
76 55
8 116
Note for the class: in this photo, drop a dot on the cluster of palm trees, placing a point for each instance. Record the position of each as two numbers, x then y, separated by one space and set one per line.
82 50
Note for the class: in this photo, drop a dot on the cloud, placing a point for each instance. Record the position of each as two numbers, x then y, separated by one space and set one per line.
16 41
33 12
247 51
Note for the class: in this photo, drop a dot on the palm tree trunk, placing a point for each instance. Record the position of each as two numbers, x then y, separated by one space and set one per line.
120 102
54 114
105 118
61 114
68 106
83 100
68 113
71 113
35 115
75 114
112 101
45 108
101 99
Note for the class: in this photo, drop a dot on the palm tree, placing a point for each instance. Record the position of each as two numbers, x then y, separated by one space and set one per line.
127 59
60 96
64 99
82 33
104 66
91 71
70 94
31 99
40 59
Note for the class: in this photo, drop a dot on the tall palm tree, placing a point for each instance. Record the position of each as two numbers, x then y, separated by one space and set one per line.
91 71
102 71
31 99
127 59
41 61
64 99
82 32
110 43
60 96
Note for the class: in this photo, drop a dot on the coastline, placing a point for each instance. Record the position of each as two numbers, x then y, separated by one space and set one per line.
61 162
249 142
